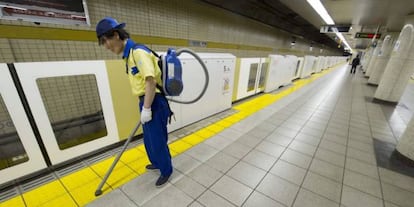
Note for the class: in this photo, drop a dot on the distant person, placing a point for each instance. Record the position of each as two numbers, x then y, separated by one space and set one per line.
144 75
355 63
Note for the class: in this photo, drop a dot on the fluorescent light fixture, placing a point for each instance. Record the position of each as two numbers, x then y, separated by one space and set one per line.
343 40
320 9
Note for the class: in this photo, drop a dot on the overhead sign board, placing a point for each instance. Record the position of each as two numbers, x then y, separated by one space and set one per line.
367 35
47 11
334 28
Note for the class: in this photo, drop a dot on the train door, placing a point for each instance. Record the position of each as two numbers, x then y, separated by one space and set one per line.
71 105
299 68
19 153
261 75
251 77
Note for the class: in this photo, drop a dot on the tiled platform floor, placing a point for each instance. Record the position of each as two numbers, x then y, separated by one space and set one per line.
313 148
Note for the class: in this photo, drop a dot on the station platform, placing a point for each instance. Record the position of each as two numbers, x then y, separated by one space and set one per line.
322 141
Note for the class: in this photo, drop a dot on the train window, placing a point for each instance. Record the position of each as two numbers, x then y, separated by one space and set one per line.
263 71
12 151
252 77
297 68
74 108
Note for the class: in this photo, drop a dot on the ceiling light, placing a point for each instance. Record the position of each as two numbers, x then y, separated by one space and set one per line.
318 7
343 40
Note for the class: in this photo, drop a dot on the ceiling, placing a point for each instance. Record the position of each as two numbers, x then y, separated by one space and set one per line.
299 18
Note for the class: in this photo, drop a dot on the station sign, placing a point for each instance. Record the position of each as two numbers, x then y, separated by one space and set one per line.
367 35
334 28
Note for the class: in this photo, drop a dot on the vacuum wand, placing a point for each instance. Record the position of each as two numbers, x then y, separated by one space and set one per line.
98 191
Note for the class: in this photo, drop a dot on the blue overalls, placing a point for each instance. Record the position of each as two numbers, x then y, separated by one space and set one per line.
156 135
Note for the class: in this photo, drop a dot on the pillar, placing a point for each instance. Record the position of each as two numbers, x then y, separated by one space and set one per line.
373 59
399 68
405 145
366 59
382 60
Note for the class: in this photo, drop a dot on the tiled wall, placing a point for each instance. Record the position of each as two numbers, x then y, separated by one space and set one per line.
183 19
176 19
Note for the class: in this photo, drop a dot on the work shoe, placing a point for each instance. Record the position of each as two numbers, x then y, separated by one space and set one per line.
151 167
162 180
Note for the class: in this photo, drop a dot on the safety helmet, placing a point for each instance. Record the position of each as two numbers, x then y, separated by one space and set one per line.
106 24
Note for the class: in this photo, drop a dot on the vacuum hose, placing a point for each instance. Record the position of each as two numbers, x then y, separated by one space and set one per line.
186 50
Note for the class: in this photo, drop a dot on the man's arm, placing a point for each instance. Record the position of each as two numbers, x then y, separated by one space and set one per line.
146 113
150 86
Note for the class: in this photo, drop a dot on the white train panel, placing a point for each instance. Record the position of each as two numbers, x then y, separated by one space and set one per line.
251 77
217 98
31 73
291 65
18 143
308 65
275 72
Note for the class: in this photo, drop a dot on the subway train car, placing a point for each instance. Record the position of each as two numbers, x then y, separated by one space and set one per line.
52 117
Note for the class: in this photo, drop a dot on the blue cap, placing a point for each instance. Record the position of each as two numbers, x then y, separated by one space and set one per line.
106 24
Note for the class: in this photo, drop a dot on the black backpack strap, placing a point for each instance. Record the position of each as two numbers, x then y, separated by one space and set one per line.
152 51
144 46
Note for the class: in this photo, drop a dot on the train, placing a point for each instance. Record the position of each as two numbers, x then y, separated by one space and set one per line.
54 113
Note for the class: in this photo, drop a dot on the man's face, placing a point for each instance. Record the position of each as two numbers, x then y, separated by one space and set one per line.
114 44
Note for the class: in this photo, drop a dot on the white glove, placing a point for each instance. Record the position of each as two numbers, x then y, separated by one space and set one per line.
146 115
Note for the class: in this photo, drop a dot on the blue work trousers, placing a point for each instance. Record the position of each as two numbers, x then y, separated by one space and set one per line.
156 135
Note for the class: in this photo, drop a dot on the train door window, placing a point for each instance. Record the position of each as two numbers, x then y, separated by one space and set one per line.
12 151
74 108
252 76
297 68
263 71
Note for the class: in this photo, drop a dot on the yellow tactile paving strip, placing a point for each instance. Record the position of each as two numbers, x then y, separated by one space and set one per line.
78 188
